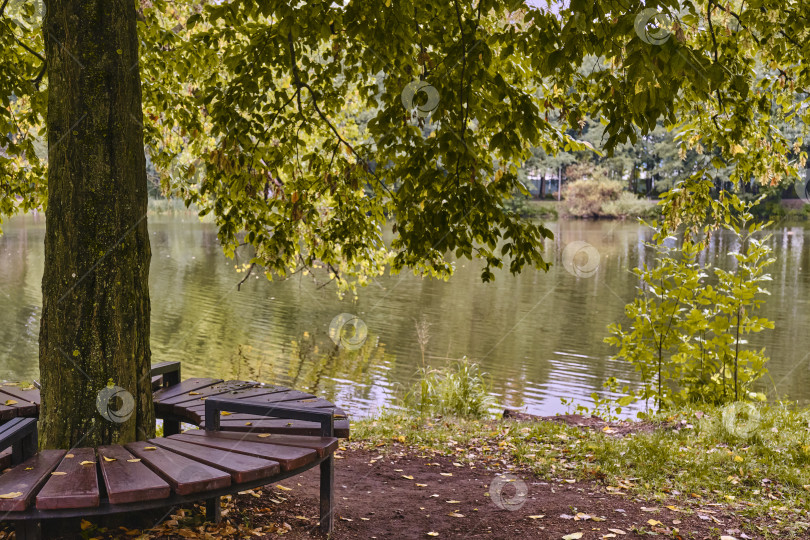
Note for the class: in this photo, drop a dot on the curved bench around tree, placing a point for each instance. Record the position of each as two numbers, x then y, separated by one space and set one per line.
180 468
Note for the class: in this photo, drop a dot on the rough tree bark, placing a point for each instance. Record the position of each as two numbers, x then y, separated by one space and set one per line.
95 309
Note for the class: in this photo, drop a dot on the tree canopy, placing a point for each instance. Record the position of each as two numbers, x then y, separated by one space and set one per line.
249 104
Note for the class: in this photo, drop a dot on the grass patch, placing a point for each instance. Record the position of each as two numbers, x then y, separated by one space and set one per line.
756 464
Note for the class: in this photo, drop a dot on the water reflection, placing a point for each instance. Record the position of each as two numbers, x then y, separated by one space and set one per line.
538 335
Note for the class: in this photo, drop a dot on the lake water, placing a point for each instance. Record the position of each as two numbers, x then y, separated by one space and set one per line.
538 335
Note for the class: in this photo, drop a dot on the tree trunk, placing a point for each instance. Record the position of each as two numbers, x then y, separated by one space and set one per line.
94 354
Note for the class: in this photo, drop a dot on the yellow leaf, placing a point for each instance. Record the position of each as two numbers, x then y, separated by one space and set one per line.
617 531
539 516
738 458
58 473
455 514
654 523
737 149
283 488
446 474
12 495
108 459
248 423
133 460
10 402
87 463
86 525
69 456
452 502
194 393
421 485
432 533
263 435
572 536
150 448
225 413
407 476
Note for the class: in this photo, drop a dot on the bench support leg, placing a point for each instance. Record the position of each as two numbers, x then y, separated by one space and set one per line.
327 494
213 510
28 530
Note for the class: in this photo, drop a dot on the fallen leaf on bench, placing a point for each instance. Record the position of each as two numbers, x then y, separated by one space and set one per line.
69 456
365 519
407 477
453 502
446 474
431 533
283 488
248 423
421 485
87 463
263 435
29 468
225 413
134 460
345 519
10 402
194 393
150 447
58 473
12 495
108 459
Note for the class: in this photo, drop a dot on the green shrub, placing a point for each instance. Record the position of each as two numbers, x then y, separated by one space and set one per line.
628 205
457 390
584 198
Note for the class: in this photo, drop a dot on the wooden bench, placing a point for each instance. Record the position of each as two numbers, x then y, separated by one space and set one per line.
178 468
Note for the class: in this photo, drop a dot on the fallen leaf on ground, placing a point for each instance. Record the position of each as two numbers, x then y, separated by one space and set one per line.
537 516
617 531
446 474
283 488
407 476
431 533
455 514
572 536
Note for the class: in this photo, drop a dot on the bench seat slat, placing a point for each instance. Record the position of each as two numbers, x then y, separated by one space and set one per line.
185 476
22 407
220 387
26 479
129 481
288 457
31 395
242 468
322 445
194 384
78 488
